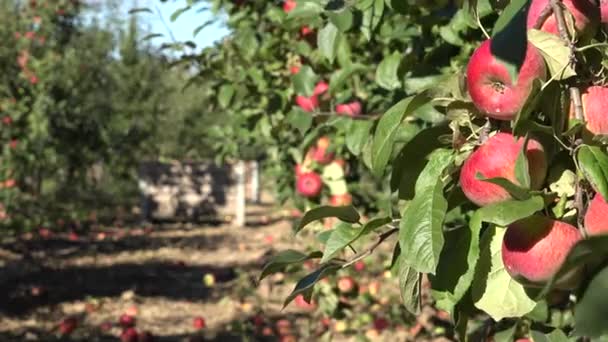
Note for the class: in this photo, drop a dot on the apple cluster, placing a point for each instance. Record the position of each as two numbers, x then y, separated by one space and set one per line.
535 247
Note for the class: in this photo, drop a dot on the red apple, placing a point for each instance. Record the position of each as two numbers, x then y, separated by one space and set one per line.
340 200
289 5
381 324
533 249
604 11
301 303
586 16
351 109
13 144
595 102
320 88
126 321
346 284
68 325
305 30
320 152
490 86
309 184
308 104
199 323
294 69
496 158
359 266
129 335
7 120
596 213
258 320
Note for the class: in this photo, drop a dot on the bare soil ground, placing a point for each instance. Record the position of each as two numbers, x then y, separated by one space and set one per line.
157 273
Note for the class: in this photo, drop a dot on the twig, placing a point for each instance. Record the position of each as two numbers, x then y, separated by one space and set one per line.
371 249
544 15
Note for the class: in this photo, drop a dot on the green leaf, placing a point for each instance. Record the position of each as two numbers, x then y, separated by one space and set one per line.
387 73
494 290
371 17
289 257
509 39
304 81
225 95
389 124
346 213
299 119
590 312
409 286
593 163
339 77
357 135
507 212
345 234
306 10
555 52
506 335
179 12
201 27
328 40
522 171
514 190
343 19
421 230
556 335
412 159
310 280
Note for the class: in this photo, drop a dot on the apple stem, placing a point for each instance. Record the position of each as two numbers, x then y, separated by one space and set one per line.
544 15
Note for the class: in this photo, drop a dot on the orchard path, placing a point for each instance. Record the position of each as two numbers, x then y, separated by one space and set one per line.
159 271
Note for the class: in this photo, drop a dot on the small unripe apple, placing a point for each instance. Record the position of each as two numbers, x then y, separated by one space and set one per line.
595 102
534 249
496 158
351 109
126 321
491 88
309 184
596 216
308 104
346 284
586 16
289 5
129 335
199 323
340 200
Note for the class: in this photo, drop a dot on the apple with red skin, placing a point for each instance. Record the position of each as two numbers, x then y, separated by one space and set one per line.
534 248
129 335
604 11
595 102
381 324
289 5
301 303
294 70
308 104
309 184
595 217
305 31
199 323
346 284
320 152
496 158
340 200
68 325
359 266
126 321
320 88
586 17
351 109
491 88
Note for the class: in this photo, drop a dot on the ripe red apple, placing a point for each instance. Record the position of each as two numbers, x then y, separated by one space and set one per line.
258 320
604 11
534 248
340 200
283 326
346 284
199 323
289 5
381 324
13 144
126 321
309 184
68 325
359 266
586 16
320 152
496 158
305 30
351 109
294 69
301 303
129 335
7 120
308 104
320 88
595 102
596 213
490 86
